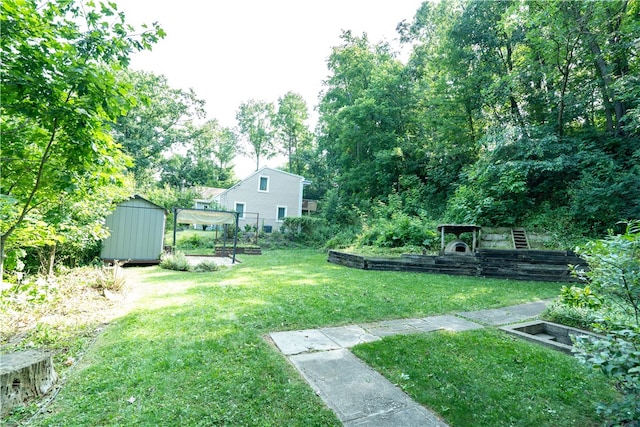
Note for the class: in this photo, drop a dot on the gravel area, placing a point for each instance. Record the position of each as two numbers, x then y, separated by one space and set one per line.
195 260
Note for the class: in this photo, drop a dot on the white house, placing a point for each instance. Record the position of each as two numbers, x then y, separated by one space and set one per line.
265 198
207 196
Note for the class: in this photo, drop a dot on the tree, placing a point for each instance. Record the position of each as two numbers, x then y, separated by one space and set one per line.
515 116
256 121
292 130
60 92
218 144
178 171
511 112
158 121
206 161
362 122
610 33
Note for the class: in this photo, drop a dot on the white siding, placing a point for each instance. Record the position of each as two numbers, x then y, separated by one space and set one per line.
284 190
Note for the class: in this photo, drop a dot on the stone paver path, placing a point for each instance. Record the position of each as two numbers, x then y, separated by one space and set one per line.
361 396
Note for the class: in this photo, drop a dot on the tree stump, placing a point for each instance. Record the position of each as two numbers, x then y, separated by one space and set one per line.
24 376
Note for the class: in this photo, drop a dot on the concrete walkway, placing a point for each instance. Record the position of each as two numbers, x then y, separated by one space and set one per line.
361 396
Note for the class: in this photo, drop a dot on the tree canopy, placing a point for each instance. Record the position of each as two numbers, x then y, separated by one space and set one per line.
515 112
60 93
158 121
256 122
506 113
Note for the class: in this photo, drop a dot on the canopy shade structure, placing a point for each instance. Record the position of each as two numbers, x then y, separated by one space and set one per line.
206 217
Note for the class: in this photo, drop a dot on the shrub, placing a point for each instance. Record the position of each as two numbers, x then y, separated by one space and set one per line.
577 317
196 241
614 272
576 296
206 266
177 261
617 355
340 240
397 231
109 278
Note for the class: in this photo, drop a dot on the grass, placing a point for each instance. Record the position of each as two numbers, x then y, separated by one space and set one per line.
487 378
192 351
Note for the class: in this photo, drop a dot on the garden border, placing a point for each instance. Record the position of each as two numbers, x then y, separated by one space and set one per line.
538 265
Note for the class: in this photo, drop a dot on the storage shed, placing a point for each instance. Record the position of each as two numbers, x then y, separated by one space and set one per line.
137 232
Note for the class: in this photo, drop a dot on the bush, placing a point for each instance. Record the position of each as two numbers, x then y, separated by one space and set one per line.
196 241
614 273
399 230
576 296
109 278
617 355
206 266
177 261
577 317
341 240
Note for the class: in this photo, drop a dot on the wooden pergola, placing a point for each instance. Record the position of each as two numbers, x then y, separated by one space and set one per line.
458 229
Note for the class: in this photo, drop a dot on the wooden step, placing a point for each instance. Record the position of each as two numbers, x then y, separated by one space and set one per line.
520 240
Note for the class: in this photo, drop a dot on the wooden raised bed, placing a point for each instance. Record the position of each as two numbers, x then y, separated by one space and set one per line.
509 264
221 251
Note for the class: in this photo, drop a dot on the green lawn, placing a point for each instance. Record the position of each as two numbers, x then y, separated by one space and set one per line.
488 378
192 352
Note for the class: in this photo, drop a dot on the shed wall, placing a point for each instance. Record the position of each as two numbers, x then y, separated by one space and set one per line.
137 232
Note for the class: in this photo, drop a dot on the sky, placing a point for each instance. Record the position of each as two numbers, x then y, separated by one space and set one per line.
231 51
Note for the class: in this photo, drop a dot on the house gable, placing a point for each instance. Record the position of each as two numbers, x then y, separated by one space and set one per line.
266 194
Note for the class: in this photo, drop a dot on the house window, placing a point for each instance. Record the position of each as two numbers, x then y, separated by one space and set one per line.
240 209
264 184
282 213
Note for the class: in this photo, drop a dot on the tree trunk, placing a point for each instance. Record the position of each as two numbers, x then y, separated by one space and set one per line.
24 376
47 259
3 238
603 80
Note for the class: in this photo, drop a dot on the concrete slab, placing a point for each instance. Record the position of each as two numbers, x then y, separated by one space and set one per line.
506 315
425 325
349 336
410 417
296 342
450 322
358 394
492 317
531 309
391 327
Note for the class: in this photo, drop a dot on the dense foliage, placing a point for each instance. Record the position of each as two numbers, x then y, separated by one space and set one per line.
60 93
509 113
506 113
609 303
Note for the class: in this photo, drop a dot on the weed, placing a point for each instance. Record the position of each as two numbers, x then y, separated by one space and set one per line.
177 262
206 266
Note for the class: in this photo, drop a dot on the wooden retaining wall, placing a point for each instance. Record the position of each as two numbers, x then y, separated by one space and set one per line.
540 265
221 251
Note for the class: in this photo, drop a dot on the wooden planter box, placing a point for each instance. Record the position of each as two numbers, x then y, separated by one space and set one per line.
538 265
228 251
